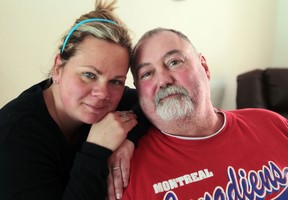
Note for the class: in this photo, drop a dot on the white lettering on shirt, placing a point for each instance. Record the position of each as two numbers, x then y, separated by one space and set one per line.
171 184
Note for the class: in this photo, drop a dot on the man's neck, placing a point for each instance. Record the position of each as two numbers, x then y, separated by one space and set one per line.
195 125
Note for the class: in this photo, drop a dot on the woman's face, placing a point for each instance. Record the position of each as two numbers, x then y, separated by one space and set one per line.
91 83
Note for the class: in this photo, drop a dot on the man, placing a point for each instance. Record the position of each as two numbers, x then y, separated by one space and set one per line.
195 151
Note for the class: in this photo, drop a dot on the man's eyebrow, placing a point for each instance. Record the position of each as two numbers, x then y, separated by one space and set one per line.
169 53
138 67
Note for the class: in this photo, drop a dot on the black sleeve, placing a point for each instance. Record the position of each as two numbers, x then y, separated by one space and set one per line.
129 101
34 166
89 174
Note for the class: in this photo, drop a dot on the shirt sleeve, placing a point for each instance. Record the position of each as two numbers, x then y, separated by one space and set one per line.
36 166
89 173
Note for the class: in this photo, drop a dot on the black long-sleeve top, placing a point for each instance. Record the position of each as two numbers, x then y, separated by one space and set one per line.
37 162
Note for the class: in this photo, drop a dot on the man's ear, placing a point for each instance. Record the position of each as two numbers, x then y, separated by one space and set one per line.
57 68
204 65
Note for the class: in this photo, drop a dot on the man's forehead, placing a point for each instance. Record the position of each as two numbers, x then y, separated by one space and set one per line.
159 45
164 40
160 49
163 36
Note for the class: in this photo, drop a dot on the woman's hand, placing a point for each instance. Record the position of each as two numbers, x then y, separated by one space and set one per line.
112 129
119 165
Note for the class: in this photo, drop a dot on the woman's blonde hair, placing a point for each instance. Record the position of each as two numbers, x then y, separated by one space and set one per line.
107 26
101 23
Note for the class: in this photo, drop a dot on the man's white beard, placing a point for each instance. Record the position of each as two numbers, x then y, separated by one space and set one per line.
173 108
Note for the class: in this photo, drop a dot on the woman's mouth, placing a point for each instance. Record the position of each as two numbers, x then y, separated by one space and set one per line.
95 109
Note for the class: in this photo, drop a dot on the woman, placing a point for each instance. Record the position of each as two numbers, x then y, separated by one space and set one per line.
48 148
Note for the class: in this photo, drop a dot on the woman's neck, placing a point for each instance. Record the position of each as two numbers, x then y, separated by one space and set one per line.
68 126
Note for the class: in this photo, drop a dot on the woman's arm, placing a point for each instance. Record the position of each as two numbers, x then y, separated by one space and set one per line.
119 177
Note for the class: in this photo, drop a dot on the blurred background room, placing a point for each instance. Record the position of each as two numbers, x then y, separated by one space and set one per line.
235 36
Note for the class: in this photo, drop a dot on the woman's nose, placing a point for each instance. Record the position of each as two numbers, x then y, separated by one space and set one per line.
101 91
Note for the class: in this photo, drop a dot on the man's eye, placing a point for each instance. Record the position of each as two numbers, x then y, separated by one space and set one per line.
89 75
145 75
174 62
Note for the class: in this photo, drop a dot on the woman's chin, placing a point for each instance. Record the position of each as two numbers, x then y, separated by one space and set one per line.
91 119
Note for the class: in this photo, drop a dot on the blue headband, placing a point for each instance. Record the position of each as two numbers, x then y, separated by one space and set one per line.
83 22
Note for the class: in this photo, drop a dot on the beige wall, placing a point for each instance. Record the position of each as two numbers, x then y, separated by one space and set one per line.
234 35
280 57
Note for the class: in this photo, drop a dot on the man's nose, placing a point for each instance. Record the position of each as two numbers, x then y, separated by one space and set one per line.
165 78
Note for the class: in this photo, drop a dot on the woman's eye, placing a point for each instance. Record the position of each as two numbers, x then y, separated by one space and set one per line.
117 82
89 75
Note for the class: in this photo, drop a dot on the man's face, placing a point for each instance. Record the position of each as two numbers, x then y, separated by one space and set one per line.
170 77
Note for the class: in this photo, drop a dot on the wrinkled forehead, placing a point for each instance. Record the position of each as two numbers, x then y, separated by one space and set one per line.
153 47
158 44
163 39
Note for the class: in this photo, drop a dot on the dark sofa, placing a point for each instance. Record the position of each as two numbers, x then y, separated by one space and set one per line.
264 88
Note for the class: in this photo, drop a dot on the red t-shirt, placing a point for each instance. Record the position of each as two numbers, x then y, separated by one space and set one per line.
246 159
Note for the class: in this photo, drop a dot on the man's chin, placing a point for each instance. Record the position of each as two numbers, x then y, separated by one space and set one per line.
173 110
166 117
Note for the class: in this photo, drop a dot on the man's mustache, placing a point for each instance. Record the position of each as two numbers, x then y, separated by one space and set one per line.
170 90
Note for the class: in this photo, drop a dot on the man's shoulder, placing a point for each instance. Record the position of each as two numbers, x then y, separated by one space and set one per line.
256 116
253 112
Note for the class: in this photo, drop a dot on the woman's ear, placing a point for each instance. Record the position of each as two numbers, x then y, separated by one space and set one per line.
204 65
57 69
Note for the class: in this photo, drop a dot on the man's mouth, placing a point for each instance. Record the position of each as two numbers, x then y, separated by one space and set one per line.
170 93
170 96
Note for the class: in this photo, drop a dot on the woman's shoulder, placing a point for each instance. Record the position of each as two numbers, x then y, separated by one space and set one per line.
25 111
25 102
